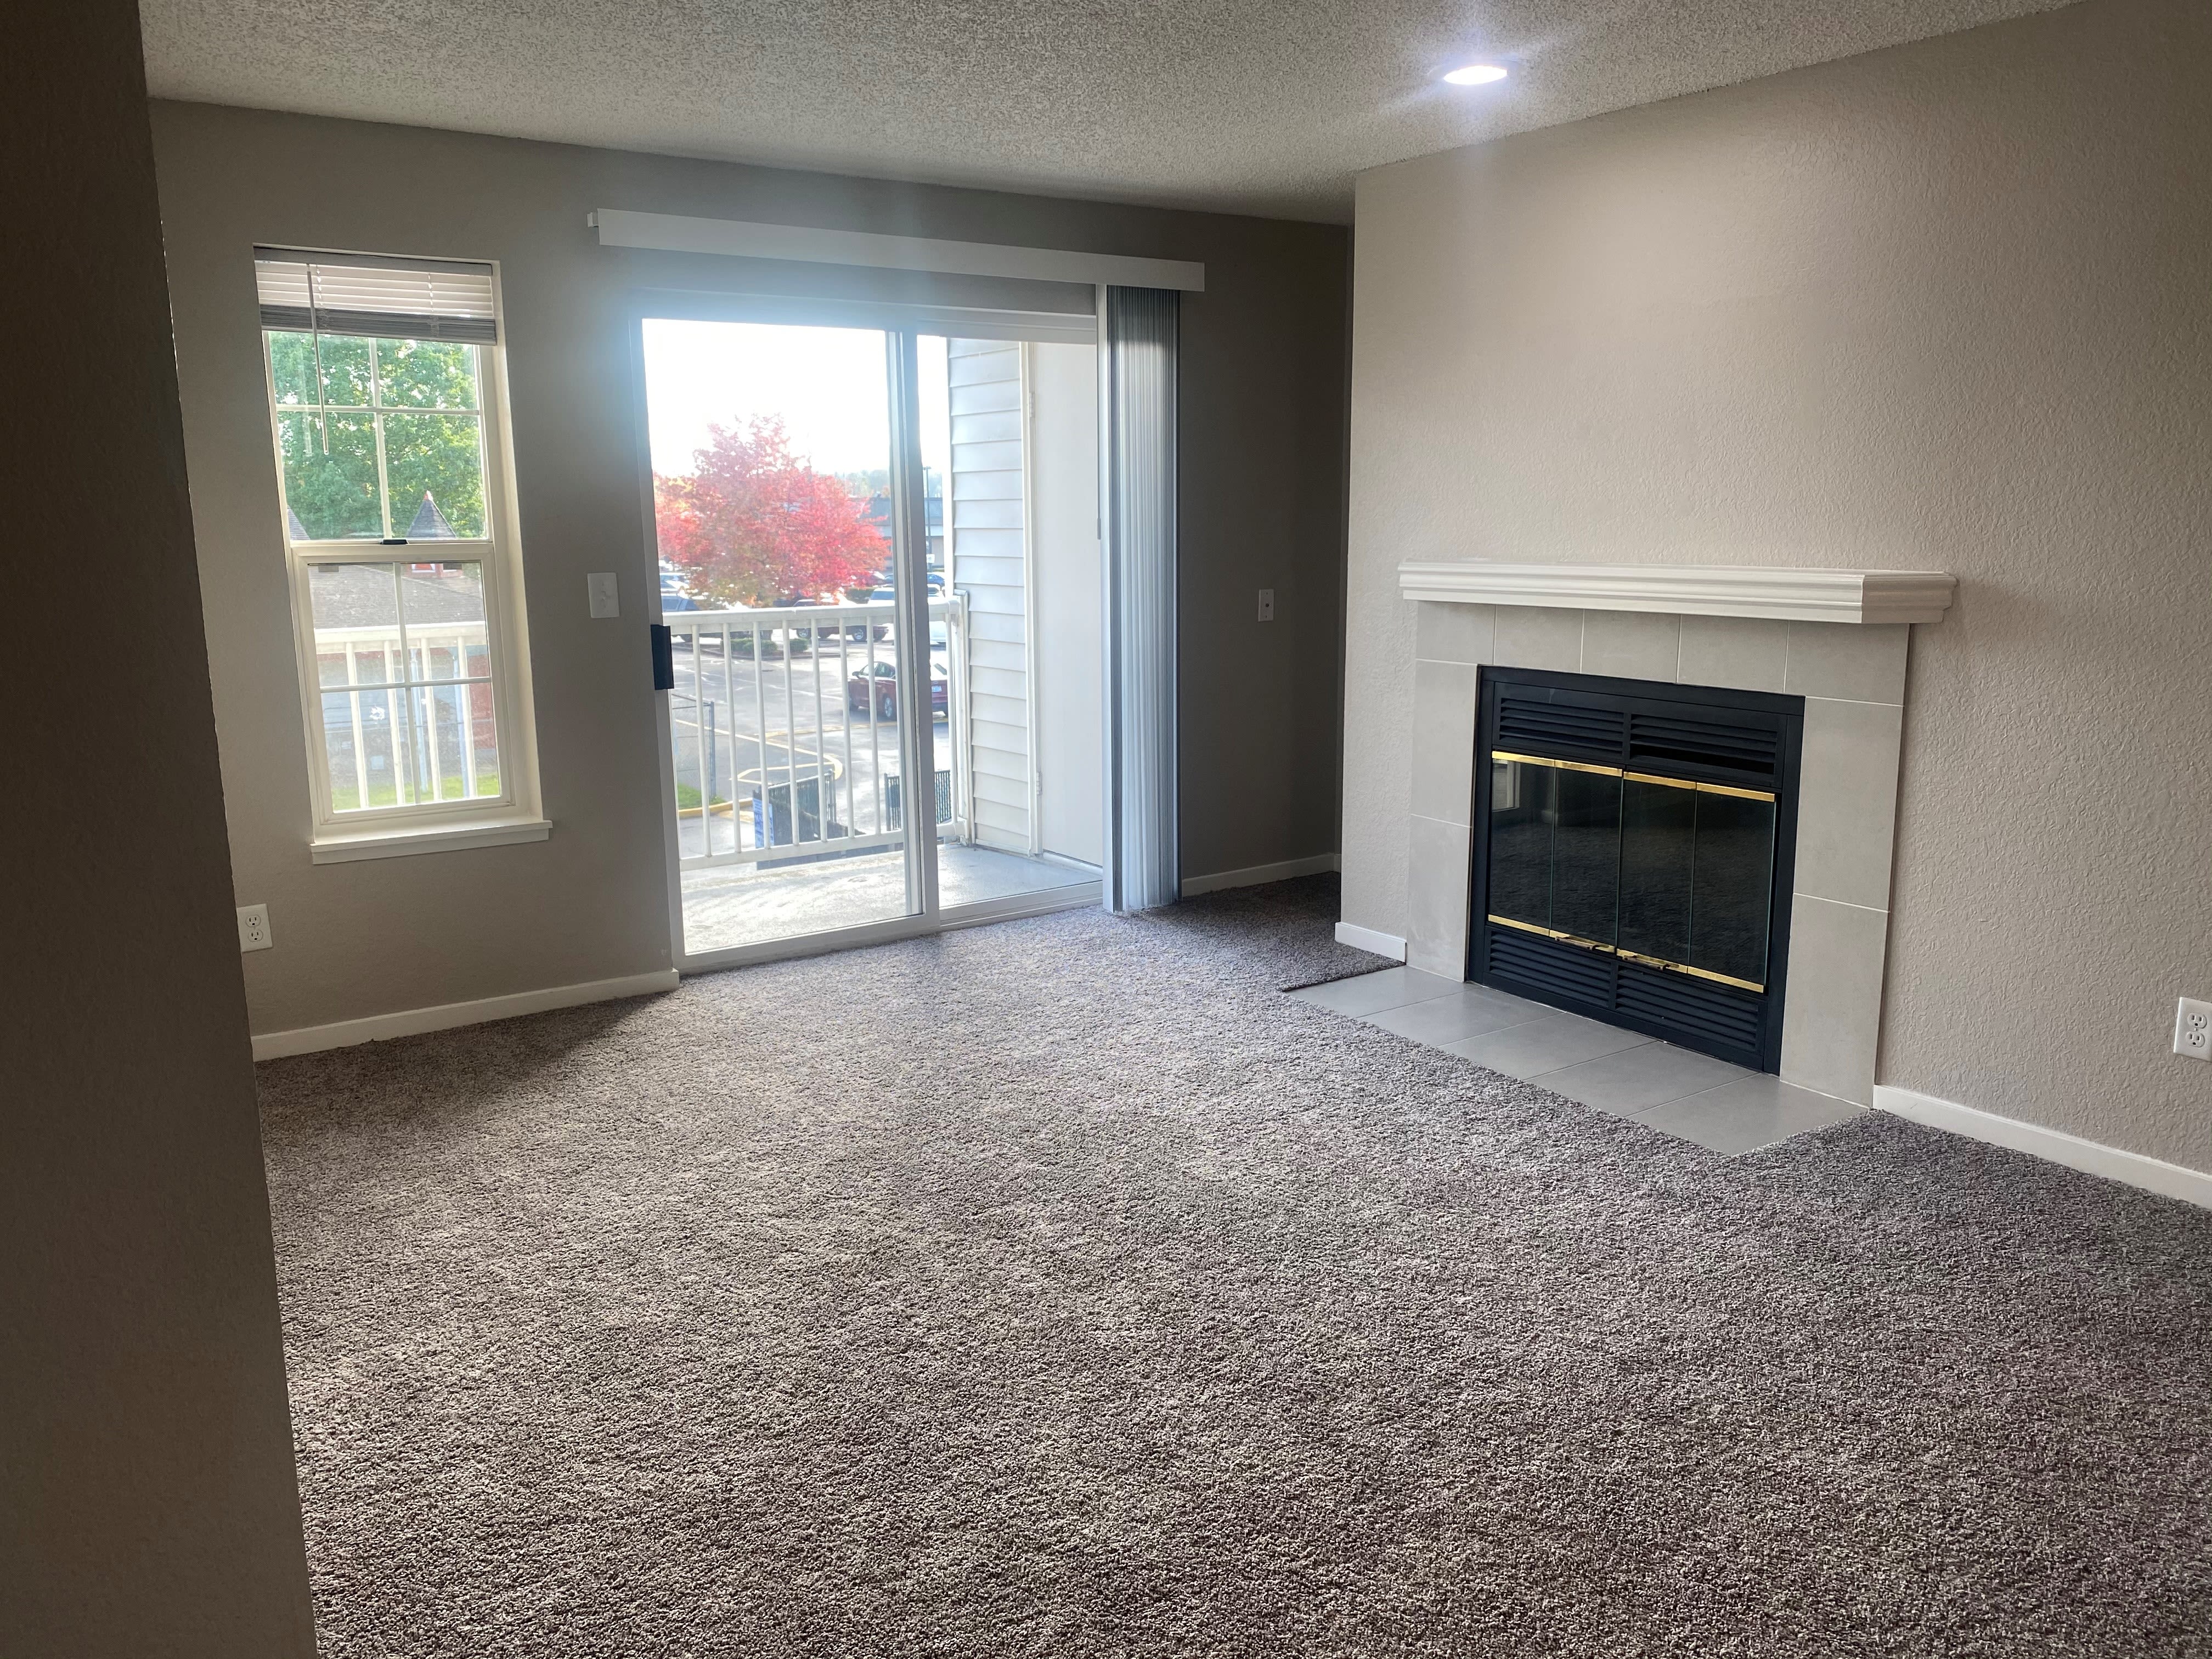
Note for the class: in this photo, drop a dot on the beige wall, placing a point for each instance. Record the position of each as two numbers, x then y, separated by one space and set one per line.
1946 306
147 1498
1261 465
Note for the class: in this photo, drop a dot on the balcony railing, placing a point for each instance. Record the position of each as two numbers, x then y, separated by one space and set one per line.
407 716
785 725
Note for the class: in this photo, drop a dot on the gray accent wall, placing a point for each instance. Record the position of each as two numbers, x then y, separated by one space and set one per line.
1943 308
1262 465
147 1503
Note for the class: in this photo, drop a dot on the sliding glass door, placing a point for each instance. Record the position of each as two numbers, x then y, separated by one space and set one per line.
793 717
1008 435
859 535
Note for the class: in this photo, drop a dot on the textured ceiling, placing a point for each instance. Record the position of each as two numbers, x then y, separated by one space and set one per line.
1249 106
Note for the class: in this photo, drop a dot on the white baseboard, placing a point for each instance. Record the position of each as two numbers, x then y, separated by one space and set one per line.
2153 1175
1366 938
1253 875
313 1039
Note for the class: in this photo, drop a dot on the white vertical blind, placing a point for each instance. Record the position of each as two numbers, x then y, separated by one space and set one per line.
1138 346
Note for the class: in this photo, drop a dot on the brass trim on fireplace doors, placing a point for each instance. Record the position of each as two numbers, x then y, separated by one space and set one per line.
1702 788
1553 932
1637 777
1685 968
1560 765
1629 956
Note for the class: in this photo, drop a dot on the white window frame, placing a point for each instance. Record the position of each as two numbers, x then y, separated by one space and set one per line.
515 814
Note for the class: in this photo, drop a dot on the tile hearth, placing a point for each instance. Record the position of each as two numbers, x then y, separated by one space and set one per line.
1715 1105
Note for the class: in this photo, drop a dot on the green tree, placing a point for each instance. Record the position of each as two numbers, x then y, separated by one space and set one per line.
335 392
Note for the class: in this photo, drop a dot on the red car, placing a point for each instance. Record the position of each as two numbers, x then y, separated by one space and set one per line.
884 681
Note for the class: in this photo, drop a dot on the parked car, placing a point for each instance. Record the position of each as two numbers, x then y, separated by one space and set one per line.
880 688
885 593
862 630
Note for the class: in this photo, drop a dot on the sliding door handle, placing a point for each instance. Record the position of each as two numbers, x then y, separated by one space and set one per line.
664 658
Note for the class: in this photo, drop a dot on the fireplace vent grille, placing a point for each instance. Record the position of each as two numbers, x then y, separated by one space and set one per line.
1559 969
1662 740
1538 721
1722 1017
1544 725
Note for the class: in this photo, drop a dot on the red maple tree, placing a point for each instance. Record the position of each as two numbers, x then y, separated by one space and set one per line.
754 523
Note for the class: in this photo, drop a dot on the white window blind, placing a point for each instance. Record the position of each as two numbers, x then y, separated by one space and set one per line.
389 298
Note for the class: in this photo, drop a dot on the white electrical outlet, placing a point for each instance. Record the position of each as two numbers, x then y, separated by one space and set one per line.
1267 605
253 933
2192 1030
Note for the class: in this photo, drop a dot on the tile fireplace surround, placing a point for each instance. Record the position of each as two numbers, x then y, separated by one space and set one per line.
1837 638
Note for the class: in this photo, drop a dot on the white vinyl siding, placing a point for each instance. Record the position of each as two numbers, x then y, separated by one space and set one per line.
987 530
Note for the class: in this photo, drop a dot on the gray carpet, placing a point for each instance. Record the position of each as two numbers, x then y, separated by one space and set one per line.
1061 1288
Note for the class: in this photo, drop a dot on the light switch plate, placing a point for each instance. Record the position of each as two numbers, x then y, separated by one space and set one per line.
604 602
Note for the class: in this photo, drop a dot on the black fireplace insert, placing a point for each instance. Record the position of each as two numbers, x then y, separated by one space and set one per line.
1633 847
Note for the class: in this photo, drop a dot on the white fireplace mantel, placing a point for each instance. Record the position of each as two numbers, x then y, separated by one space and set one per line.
1823 595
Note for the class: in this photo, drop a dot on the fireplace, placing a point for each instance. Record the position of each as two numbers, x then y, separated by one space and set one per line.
1822 653
1632 853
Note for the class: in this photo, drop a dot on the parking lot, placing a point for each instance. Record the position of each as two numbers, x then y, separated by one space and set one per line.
790 711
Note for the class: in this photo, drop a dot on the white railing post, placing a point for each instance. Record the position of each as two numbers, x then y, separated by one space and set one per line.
464 709
845 721
958 716
360 736
875 747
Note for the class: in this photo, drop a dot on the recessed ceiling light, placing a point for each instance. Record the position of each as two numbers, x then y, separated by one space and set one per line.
1476 75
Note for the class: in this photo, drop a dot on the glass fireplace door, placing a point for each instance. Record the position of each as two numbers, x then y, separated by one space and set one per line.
1697 877
1642 896
1678 875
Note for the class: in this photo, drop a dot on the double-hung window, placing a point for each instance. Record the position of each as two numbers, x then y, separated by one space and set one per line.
384 383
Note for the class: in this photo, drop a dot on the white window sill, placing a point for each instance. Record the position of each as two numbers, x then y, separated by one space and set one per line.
426 838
